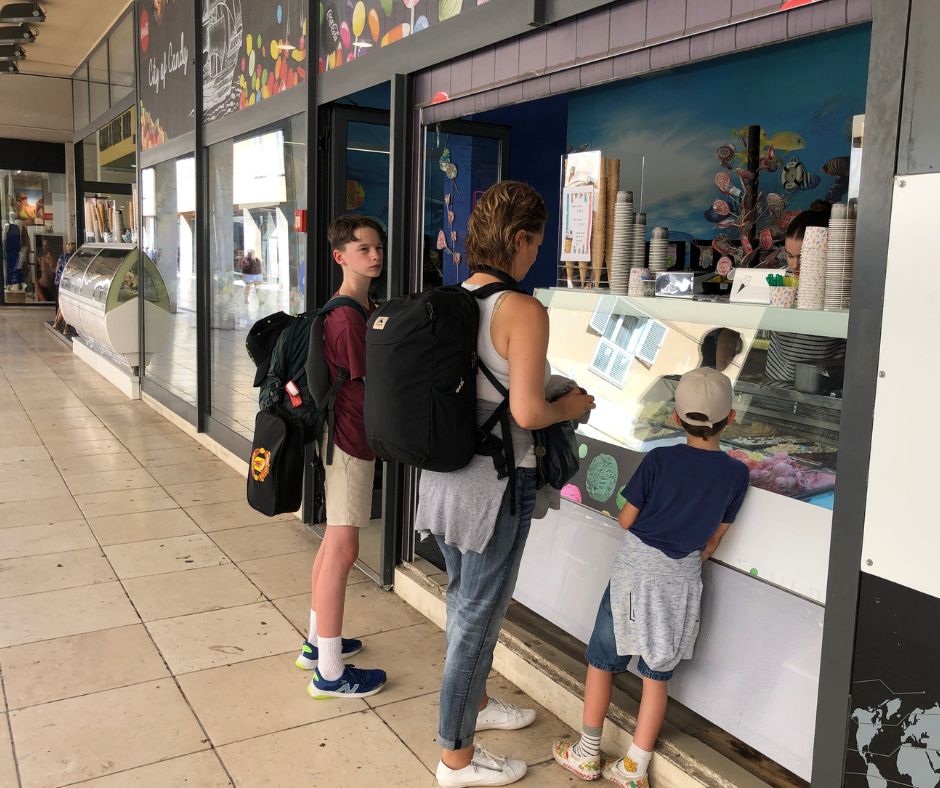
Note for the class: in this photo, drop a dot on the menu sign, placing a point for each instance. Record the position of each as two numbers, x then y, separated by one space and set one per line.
167 80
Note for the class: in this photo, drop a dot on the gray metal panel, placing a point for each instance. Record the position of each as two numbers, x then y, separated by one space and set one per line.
670 54
561 43
768 30
627 25
440 79
816 17
176 147
461 72
510 94
707 13
920 141
745 8
665 18
565 81
507 60
483 68
536 88
857 11
632 63
532 52
595 73
423 87
593 32
718 42
885 80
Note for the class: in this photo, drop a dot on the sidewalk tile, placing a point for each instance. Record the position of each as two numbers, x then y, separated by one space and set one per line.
147 499
232 514
208 471
57 614
254 698
107 481
193 591
217 491
287 575
222 637
79 466
38 539
156 458
67 451
159 556
86 737
37 573
30 488
7 763
413 659
41 512
36 673
201 770
328 753
263 541
142 526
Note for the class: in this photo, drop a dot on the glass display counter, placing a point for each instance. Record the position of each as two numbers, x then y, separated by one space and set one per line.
630 353
99 294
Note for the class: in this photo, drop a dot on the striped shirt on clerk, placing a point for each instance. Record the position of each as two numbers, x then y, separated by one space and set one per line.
787 350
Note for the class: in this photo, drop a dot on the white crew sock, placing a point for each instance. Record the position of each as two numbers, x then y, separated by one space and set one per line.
330 666
312 637
641 757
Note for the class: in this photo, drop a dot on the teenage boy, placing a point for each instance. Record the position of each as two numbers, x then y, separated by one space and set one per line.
358 246
680 503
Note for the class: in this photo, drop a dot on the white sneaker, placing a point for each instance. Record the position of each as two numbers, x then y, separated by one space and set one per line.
501 716
484 769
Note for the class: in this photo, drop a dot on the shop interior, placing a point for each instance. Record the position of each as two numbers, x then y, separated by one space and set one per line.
35 225
717 157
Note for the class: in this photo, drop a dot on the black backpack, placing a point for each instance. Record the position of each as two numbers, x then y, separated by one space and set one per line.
296 400
421 398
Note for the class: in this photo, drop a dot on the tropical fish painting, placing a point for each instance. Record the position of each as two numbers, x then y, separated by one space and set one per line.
794 176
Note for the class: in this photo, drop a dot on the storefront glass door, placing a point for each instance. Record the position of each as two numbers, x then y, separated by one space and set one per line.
359 169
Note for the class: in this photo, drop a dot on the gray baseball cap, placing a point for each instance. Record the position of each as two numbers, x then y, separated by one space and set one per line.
706 392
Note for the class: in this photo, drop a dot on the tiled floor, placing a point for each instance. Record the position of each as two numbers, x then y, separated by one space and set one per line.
149 618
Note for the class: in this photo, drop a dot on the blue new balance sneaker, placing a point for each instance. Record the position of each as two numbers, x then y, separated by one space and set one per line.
354 683
310 654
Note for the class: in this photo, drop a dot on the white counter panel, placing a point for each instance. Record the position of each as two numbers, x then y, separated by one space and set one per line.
756 668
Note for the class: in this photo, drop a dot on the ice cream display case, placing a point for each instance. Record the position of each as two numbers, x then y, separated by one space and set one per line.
99 295
630 352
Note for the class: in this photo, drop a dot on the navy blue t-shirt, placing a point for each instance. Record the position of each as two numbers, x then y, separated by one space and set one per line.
683 495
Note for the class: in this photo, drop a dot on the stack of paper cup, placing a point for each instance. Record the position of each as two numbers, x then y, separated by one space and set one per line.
658 240
811 293
638 277
639 241
840 257
620 246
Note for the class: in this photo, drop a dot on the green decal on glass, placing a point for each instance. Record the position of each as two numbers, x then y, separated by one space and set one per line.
582 450
601 477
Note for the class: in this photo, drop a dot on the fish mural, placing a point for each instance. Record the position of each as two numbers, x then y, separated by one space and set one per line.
794 175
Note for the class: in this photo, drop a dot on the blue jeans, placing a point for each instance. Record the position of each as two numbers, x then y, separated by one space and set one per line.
479 588
602 650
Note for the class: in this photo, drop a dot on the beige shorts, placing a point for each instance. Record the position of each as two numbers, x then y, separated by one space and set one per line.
348 481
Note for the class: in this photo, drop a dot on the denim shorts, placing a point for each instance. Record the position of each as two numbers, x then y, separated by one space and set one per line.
602 650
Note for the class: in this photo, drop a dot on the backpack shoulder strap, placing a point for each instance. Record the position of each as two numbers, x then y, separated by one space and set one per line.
339 301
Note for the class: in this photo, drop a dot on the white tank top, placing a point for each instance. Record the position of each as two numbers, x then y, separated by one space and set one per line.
487 352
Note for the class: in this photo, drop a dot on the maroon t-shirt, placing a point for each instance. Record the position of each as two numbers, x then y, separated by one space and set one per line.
344 345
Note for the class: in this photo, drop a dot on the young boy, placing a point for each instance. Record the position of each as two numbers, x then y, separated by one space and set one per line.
358 246
680 503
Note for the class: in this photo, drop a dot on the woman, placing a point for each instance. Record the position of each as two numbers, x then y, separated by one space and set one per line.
251 273
480 526
786 349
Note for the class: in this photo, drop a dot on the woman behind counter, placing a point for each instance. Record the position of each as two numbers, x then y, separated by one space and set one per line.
786 349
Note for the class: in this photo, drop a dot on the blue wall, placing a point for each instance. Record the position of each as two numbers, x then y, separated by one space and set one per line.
809 88
539 129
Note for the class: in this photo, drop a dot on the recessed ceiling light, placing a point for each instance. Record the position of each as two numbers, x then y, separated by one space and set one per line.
18 34
12 52
15 13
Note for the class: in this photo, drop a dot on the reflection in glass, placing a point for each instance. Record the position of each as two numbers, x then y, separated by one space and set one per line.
630 356
98 82
121 47
80 116
168 210
257 260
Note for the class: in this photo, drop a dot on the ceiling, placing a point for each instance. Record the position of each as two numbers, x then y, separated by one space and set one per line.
39 106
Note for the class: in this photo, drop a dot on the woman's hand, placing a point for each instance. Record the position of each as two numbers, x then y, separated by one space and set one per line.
576 404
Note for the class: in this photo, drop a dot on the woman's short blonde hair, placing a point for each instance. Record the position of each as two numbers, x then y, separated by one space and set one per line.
499 214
